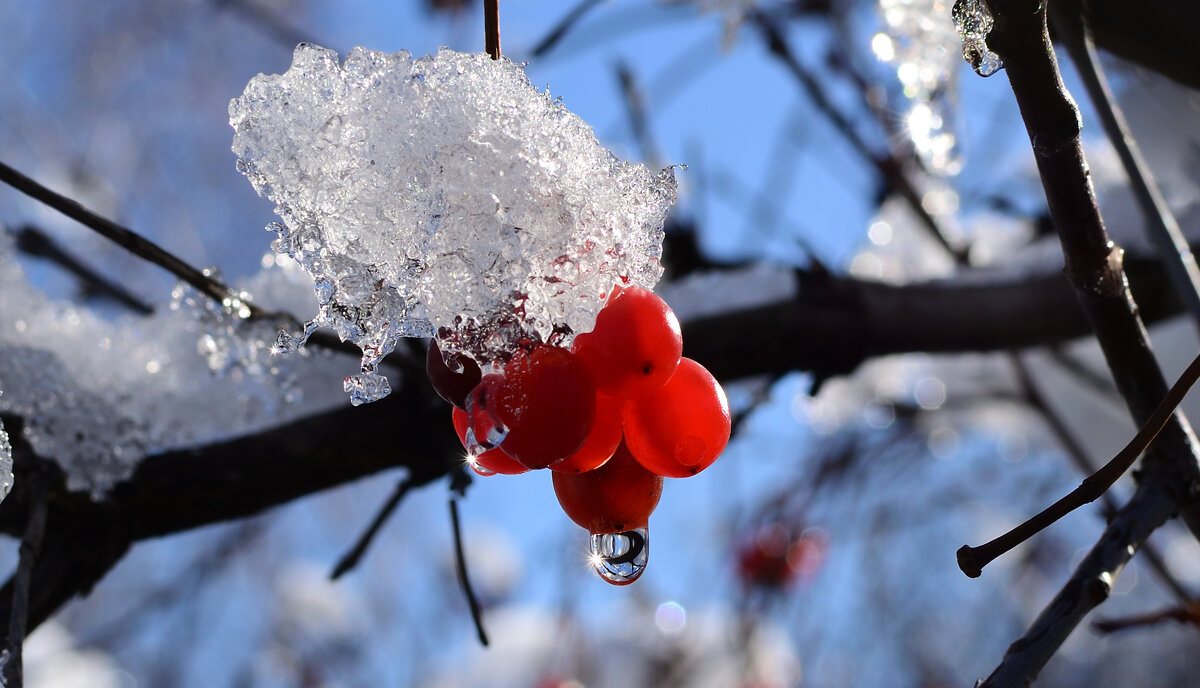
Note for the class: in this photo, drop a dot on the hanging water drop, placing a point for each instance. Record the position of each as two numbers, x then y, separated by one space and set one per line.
620 558
973 20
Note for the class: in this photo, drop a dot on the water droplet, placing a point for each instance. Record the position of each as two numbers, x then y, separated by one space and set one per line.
620 558
484 432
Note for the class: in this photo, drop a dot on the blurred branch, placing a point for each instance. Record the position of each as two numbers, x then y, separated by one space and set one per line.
1170 476
269 23
1188 614
1161 226
891 169
1157 34
34 242
635 107
564 25
834 323
350 559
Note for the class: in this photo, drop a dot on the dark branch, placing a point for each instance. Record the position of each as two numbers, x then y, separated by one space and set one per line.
31 546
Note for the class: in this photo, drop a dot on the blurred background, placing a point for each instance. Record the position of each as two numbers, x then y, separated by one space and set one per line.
819 551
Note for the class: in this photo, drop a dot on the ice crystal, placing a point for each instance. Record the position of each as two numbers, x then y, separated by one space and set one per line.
973 20
443 195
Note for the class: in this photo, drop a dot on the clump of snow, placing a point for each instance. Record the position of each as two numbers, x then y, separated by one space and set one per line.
445 196
97 395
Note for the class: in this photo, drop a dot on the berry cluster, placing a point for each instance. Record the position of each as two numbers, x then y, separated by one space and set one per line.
611 417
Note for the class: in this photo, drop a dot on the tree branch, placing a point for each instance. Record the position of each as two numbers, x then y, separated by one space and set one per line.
1170 475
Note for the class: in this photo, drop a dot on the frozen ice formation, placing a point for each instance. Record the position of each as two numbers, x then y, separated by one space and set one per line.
920 42
445 196
973 20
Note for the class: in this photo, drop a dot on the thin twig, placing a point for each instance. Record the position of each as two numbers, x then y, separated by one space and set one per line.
491 27
1079 457
351 558
972 559
125 238
1161 226
31 546
460 565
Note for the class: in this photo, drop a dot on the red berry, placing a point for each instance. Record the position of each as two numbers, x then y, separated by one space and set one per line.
635 345
490 461
547 400
601 442
618 496
450 385
679 430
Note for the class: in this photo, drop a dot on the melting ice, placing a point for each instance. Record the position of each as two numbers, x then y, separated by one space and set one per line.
443 195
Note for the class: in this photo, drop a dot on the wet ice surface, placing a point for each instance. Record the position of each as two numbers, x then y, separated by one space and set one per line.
974 22
443 195
97 394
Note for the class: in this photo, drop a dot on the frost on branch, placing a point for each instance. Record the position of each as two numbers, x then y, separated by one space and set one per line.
443 195
6 463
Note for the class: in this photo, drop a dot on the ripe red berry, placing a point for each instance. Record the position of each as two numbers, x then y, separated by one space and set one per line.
635 345
679 430
617 497
601 442
451 385
547 401
490 461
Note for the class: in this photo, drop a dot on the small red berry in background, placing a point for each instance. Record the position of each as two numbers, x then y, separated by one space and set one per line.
451 385
547 401
680 429
619 496
635 344
777 556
